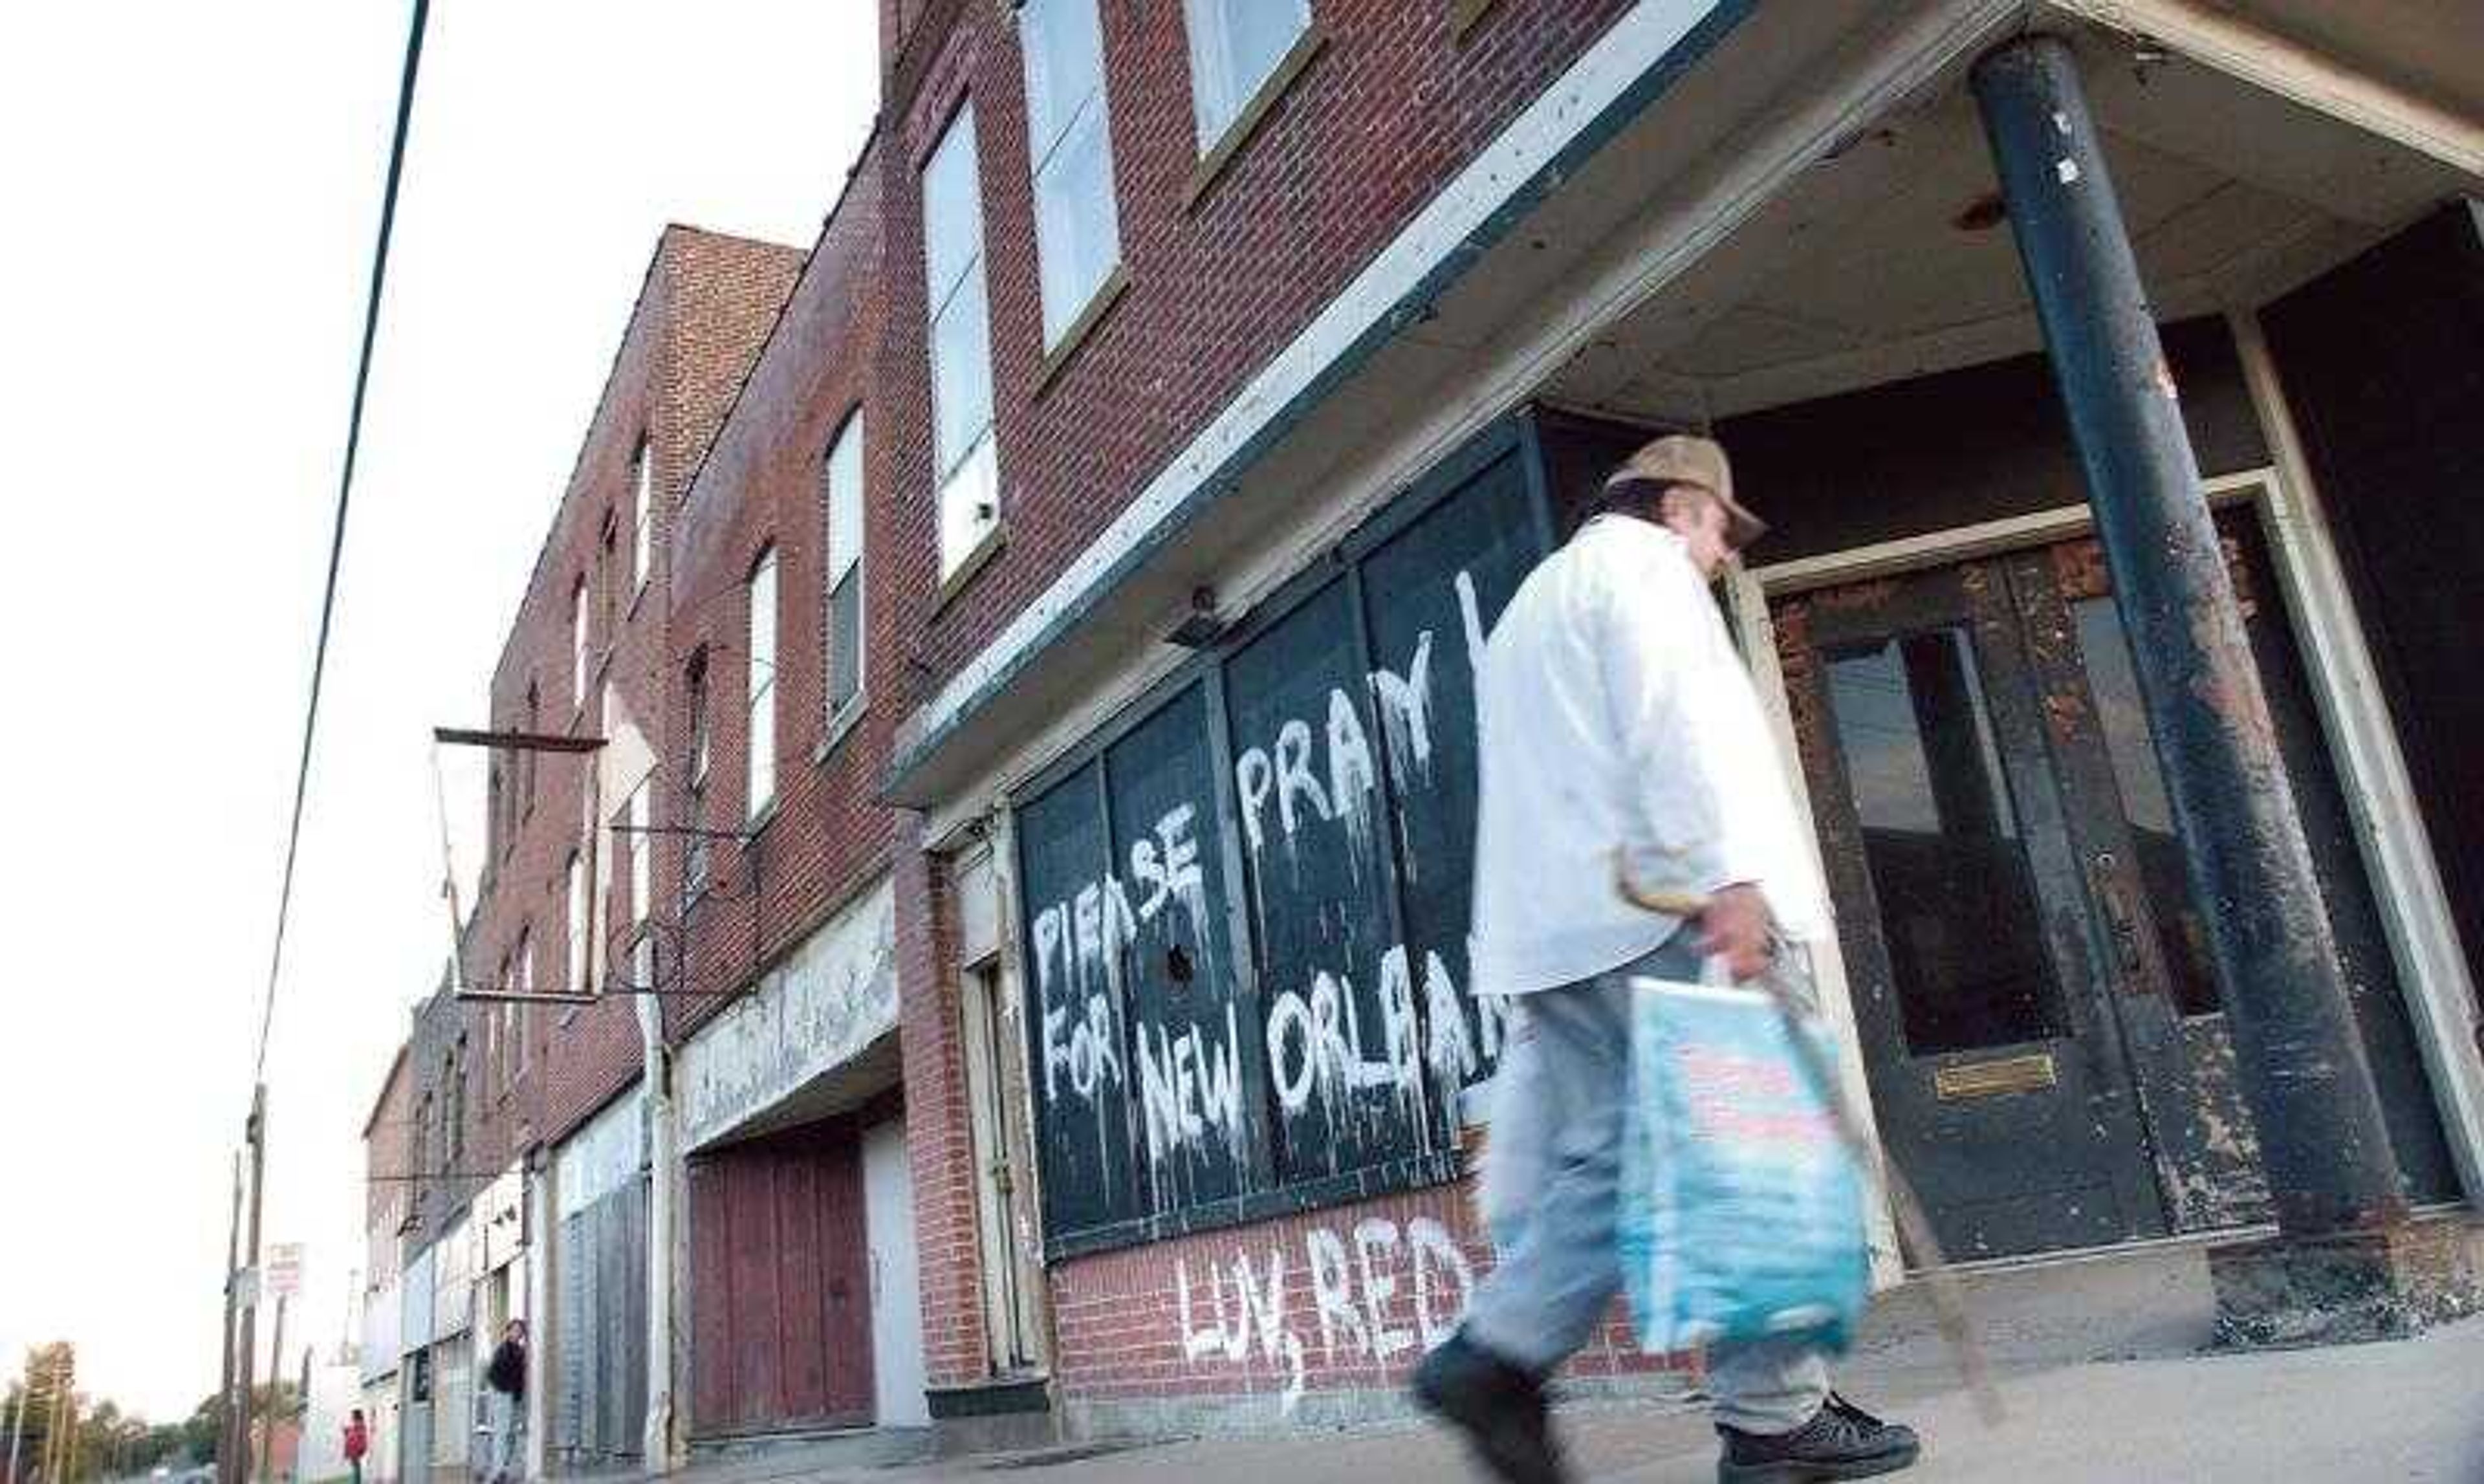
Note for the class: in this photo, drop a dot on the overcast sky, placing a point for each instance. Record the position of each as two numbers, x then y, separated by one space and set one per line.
190 193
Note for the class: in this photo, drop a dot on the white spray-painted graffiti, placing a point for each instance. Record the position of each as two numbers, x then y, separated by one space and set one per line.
1240 1308
1190 1084
1316 1039
1319 1051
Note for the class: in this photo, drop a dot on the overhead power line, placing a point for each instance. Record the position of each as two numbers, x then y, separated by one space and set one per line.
337 537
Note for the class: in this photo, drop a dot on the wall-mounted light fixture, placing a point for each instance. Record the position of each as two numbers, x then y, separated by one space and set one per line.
1201 627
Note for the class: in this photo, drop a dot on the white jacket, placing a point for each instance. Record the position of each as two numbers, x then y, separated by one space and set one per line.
1615 713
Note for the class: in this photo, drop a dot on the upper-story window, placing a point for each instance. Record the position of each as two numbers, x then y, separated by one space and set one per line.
495 822
575 887
527 758
962 359
694 854
577 646
608 578
1070 150
498 1050
1234 46
843 471
634 822
456 1114
642 544
762 683
524 1022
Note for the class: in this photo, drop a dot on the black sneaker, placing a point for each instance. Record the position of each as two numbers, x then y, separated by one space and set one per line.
1499 1407
1841 1441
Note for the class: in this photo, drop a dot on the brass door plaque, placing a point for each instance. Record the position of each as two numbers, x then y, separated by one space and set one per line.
2030 1073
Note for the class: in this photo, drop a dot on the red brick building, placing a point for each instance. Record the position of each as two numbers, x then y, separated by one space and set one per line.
797 1254
1054 774
528 1147
1238 363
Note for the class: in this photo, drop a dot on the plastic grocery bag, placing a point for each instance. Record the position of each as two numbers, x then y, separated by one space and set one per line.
1741 1209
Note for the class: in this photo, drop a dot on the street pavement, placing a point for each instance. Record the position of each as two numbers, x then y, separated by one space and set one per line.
2409 1410
2103 1369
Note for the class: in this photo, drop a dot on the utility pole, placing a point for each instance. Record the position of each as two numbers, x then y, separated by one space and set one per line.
232 1301
275 1382
249 1357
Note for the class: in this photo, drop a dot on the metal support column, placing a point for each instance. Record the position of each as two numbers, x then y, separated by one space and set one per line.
2302 1060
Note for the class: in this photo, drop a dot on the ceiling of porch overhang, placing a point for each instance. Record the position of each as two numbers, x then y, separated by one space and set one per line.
1884 260
2433 48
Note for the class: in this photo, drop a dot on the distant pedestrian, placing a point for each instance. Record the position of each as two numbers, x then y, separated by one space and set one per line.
358 1442
507 1377
1616 716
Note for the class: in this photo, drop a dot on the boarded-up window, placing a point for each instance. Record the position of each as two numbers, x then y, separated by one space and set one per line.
1246 903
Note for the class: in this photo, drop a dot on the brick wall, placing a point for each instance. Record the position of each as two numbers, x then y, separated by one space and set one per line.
707 302
761 487
1344 1299
387 1152
1391 105
940 1134
443 1169
1387 112
1378 121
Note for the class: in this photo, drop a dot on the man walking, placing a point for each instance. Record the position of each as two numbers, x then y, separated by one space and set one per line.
1617 716
358 1442
507 1377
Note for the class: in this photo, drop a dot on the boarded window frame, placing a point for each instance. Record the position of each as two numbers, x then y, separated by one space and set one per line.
1266 1193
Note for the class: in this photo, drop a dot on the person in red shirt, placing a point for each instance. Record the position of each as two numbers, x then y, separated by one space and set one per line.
358 1442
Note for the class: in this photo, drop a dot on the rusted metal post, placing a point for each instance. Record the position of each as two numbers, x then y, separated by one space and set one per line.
2302 1059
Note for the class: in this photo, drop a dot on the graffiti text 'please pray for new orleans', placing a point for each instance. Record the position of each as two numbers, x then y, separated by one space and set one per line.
1318 1049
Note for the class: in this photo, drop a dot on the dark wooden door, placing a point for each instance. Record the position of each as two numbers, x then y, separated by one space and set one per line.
2153 929
2001 1086
780 1320
2032 977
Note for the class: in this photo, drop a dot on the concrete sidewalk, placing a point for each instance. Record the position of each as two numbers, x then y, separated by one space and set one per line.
2101 1368
2412 1409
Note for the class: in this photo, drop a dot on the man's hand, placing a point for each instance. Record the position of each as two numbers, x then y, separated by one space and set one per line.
1735 927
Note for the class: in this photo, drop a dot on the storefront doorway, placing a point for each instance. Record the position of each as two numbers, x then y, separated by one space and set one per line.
2030 974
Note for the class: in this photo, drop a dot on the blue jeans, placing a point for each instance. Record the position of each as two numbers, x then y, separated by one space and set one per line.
1551 1181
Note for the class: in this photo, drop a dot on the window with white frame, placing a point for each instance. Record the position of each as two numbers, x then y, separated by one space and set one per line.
642 884
702 732
1235 45
454 1115
694 856
964 460
844 495
642 545
604 847
507 1036
1070 151
761 685
527 758
494 1018
576 888
578 644
526 1013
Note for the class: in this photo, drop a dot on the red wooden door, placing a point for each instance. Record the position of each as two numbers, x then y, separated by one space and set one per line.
780 1319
